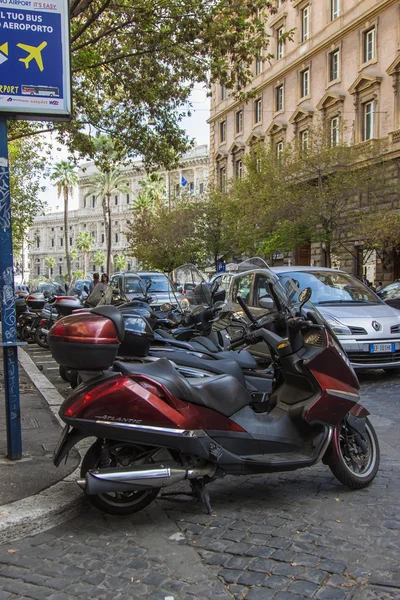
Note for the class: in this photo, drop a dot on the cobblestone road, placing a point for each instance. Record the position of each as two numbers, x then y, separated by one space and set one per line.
282 537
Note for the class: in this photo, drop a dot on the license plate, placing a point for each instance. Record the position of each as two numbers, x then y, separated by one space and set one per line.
60 442
376 348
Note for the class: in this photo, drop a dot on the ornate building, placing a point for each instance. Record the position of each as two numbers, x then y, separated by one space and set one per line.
343 64
46 236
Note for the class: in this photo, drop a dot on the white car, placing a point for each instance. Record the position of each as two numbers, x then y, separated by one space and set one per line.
368 329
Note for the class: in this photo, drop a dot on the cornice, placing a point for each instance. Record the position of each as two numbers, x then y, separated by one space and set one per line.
324 45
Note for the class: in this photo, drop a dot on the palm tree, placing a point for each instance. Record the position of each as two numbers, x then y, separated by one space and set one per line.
142 203
65 178
50 261
98 258
119 262
84 244
153 188
103 185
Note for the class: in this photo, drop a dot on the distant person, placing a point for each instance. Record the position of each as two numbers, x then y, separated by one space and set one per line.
96 278
104 278
379 286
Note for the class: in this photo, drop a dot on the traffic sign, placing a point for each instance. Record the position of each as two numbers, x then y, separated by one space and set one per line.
35 74
221 267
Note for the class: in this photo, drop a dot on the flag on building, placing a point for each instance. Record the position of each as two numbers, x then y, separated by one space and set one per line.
184 182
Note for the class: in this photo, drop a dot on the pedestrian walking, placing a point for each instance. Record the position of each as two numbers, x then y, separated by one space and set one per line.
104 278
95 281
379 286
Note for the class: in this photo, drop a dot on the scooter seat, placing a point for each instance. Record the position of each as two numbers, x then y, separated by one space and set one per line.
207 343
218 367
222 393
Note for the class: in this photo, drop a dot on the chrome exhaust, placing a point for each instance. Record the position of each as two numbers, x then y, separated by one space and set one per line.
122 480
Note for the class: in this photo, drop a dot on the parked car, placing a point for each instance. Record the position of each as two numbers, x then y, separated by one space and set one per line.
391 294
77 288
130 285
223 280
161 289
368 329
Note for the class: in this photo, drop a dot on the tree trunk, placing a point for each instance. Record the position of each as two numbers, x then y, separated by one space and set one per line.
84 264
66 231
109 234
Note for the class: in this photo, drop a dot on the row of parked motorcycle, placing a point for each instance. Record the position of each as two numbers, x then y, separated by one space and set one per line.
178 394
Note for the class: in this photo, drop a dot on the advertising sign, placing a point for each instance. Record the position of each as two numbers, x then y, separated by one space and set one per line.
35 76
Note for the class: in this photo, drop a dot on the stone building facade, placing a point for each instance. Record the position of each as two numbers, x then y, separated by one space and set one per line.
342 65
46 236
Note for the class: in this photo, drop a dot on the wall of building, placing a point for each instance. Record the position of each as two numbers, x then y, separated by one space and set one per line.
362 79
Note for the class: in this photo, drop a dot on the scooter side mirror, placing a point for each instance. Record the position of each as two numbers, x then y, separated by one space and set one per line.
266 303
219 296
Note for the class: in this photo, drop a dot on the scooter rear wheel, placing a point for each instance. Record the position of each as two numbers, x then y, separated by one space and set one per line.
41 338
118 503
353 468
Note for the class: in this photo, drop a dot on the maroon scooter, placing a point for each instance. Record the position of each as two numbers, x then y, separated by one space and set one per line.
155 428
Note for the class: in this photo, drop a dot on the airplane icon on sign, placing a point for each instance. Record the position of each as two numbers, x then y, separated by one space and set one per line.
35 53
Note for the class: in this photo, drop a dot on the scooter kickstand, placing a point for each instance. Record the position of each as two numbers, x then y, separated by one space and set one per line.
201 492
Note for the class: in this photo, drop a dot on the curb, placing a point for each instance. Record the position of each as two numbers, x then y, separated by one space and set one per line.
54 505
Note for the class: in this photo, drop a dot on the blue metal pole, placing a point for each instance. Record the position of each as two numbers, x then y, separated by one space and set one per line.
8 316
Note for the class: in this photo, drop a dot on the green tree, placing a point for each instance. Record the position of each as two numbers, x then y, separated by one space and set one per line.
98 258
78 274
306 194
103 185
65 178
27 167
119 262
84 244
135 64
143 203
211 225
73 255
153 188
167 238
49 261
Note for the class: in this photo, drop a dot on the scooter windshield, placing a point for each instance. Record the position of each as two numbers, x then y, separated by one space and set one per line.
264 292
191 283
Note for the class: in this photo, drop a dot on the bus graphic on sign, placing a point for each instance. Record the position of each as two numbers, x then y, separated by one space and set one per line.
40 90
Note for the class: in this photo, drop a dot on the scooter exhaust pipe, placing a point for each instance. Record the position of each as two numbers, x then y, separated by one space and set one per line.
122 480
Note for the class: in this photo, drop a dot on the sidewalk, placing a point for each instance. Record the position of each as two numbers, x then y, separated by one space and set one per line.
34 494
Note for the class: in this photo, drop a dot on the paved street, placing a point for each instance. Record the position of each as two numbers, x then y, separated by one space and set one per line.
282 537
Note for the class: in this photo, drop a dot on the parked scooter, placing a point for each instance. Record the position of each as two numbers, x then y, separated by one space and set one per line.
155 428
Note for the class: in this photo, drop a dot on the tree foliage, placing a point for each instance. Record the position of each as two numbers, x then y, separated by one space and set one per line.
136 63
98 258
65 178
307 194
167 238
119 262
103 185
27 166
84 244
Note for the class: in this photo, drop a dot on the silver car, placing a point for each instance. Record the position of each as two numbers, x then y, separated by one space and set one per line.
368 329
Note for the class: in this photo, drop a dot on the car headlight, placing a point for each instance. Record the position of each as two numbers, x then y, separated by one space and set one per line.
337 327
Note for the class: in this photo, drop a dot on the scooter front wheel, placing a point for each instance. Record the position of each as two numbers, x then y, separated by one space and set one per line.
354 467
117 503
